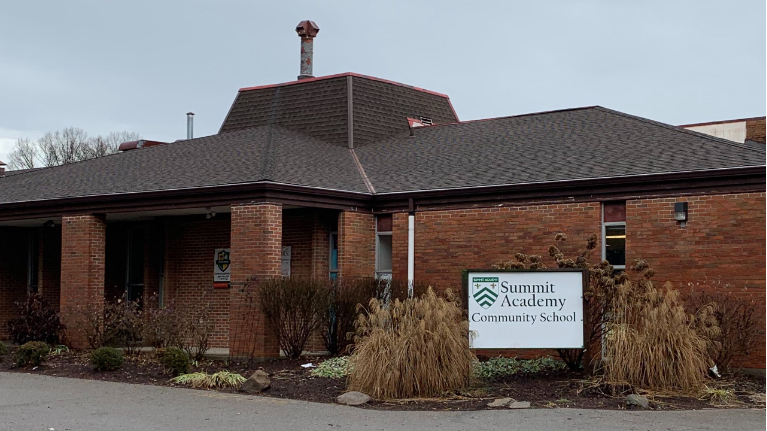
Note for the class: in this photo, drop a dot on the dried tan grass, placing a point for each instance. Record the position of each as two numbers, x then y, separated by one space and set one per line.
653 343
411 349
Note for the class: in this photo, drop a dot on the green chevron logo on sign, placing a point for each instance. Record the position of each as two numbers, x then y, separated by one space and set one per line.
485 290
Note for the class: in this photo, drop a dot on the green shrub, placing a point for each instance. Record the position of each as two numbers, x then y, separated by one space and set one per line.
107 359
3 349
34 353
499 368
334 368
175 360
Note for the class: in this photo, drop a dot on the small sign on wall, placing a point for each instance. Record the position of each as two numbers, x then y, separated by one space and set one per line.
285 263
222 268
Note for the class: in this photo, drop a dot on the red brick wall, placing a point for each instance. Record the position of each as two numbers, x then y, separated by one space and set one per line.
191 243
13 274
756 130
83 241
448 241
356 244
297 232
256 243
722 248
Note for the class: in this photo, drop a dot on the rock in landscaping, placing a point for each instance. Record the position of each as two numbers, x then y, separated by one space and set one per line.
520 405
257 382
353 398
500 402
637 401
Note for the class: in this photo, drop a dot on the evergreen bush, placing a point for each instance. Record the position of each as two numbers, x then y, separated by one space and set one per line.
175 360
107 359
32 353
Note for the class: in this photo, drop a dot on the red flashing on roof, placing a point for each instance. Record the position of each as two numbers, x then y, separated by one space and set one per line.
143 143
304 81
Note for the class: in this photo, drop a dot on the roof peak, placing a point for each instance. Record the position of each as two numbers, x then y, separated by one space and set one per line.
338 75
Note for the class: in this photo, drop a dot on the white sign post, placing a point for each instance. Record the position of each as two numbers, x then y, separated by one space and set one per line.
525 309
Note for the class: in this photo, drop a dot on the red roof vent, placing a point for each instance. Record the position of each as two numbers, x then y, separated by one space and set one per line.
135 145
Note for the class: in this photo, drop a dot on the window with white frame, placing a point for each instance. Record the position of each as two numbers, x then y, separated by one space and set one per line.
614 234
383 247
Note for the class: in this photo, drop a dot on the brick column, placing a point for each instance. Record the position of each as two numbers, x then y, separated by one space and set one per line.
83 240
356 244
256 250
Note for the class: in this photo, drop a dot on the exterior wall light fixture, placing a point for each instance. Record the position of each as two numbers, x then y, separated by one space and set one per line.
680 212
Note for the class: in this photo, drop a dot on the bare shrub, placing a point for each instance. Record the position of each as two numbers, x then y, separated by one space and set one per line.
653 342
739 323
413 348
123 325
603 280
37 321
292 307
185 326
344 295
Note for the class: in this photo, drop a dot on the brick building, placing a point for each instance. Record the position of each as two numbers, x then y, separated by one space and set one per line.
349 175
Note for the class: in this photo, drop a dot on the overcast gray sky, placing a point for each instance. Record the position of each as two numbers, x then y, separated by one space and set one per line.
141 65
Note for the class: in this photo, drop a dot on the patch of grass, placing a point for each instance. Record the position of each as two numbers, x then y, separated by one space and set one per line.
500 368
718 396
334 368
221 379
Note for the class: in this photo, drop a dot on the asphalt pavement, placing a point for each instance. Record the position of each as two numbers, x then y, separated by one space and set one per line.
33 402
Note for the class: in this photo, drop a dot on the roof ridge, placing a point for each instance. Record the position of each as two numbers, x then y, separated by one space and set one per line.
530 114
679 129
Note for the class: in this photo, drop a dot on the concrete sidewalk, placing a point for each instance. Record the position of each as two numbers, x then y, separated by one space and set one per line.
30 402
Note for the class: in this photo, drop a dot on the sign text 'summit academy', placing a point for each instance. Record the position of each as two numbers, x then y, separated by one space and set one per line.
525 309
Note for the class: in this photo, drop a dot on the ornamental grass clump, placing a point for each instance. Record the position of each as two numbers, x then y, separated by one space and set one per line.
415 348
334 368
221 379
653 343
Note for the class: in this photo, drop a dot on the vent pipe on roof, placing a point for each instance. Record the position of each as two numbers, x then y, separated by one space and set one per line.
189 125
307 30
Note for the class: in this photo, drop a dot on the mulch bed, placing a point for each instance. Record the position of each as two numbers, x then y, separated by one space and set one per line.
290 380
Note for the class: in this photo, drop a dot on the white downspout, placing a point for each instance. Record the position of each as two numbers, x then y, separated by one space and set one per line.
410 253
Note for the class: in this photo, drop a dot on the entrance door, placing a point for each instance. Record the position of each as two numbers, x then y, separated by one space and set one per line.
134 274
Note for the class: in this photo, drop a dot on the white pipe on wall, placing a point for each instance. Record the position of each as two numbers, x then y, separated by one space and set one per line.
410 254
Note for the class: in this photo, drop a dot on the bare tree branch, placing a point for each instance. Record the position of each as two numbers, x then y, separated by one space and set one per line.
23 155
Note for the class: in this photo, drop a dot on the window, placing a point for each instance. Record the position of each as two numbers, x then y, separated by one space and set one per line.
333 255
614 234
383 247
33 262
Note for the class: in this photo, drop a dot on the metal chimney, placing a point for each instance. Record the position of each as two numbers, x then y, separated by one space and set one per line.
189 125
307 30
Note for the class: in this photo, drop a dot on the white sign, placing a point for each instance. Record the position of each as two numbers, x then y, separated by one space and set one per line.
285 263
526 309
222 266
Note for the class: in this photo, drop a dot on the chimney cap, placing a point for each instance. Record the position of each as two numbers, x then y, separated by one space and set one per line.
190 113
307 28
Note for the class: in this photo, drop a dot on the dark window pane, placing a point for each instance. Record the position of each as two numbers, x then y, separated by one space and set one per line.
333 251
615 245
